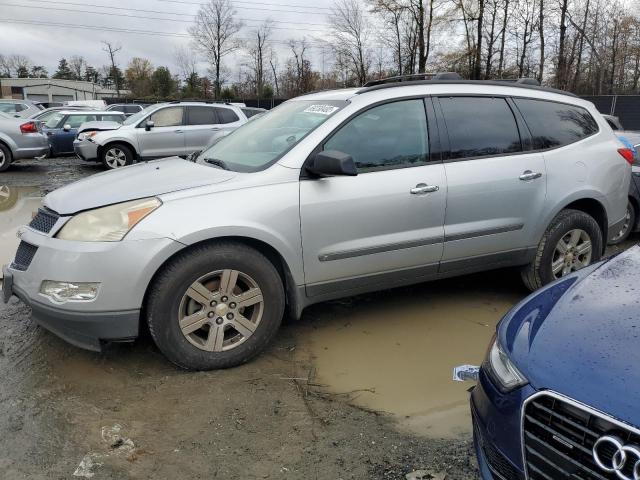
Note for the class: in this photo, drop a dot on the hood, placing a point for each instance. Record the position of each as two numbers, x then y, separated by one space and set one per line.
99 125
136 181
580 337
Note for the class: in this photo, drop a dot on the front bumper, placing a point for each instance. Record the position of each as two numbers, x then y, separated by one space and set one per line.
497 430
123 269
86 150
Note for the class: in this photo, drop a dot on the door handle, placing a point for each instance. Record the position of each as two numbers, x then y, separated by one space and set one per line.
529 175
177 131
422 188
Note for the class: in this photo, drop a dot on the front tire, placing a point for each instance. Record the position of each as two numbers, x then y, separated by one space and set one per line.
5 157
627 227
116 156
215 306
572 241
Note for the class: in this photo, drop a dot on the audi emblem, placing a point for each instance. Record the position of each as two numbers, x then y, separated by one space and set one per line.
624 457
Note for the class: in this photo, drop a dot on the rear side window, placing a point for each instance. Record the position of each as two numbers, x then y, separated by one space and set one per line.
480 127
249 112
74 121
201 116
226 115
132 109
555 124
393 135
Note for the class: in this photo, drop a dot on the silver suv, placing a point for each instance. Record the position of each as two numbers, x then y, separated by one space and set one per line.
177 128
328 195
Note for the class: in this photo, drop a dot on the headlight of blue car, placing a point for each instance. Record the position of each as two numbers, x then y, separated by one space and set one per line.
502 372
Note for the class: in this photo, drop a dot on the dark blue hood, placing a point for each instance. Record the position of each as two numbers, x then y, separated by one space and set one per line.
581 337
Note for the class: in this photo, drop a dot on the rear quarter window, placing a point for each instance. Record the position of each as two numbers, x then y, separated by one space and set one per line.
226 115
555 124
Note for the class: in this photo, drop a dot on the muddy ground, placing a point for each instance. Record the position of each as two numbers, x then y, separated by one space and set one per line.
359 388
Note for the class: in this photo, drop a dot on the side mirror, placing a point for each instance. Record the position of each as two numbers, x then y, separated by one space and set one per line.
66 127
149 125
332 163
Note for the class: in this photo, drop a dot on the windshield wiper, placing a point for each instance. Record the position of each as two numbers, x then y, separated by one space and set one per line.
217 163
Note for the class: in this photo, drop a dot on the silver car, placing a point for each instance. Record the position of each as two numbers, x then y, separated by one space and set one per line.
177 128
20 108
20 138
328 195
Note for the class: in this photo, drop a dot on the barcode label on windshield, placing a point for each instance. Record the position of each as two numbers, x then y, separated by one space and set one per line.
323 109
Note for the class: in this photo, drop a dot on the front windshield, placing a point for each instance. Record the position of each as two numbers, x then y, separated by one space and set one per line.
135 118
260 143
54 120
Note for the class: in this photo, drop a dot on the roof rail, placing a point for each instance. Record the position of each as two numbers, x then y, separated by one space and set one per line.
520 81
185 100
413 77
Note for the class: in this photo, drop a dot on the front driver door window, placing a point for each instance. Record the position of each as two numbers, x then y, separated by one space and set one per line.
166 137
387 222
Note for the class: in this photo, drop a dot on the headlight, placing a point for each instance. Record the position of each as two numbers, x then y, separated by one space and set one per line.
501 370
108 224
87 135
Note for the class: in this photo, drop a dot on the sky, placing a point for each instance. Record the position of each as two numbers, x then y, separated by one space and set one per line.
41 29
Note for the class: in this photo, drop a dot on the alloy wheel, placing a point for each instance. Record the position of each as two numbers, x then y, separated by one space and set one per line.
115 158
573 252
626 226
3 158
221 310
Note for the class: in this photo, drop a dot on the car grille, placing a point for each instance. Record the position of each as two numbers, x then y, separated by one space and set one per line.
500 467
44 220
559 438
24 256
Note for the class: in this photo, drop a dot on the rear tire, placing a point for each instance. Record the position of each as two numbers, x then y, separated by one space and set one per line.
572 241
116 155
5 157
627 228
215 306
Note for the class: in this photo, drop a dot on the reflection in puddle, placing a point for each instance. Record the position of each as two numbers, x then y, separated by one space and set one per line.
396 351
17 205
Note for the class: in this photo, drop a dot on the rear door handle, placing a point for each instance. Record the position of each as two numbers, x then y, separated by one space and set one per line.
177 131
422 188
529 175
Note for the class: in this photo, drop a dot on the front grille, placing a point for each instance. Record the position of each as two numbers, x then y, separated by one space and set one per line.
24 255
559 438
44 220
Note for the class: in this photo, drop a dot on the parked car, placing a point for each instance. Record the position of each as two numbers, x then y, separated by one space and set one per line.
614 122
161 130
329 195
44 115
127 108
557 395
20 138
632 219
94 104
62 128
20 108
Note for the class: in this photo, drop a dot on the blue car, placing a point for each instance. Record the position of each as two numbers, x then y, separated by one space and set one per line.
558 395
61 128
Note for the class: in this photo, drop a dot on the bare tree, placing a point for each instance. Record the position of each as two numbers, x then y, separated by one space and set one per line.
213 33
111 50
392 12
350 36
258 51
78 64
186 60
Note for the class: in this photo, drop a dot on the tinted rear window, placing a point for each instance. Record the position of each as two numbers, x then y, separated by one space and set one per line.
555 124
201 116
226 115
480 126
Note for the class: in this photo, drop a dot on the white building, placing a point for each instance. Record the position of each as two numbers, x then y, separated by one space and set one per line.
53 90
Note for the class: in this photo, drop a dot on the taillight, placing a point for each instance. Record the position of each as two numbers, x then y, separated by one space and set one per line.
628 154
29 127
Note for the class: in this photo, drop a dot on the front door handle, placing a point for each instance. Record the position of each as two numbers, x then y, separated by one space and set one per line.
529 175
422 188
177 131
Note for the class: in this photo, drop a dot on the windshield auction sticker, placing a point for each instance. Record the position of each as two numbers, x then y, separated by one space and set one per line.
323 109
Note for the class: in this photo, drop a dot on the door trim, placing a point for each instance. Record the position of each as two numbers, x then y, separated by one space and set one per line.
389 247
483 233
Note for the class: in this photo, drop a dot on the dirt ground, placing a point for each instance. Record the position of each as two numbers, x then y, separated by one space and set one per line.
358 389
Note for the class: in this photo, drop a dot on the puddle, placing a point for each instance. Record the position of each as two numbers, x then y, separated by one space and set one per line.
17 205
395 351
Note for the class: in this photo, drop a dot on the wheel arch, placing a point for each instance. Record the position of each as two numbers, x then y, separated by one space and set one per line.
294 301
126 143
636 205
